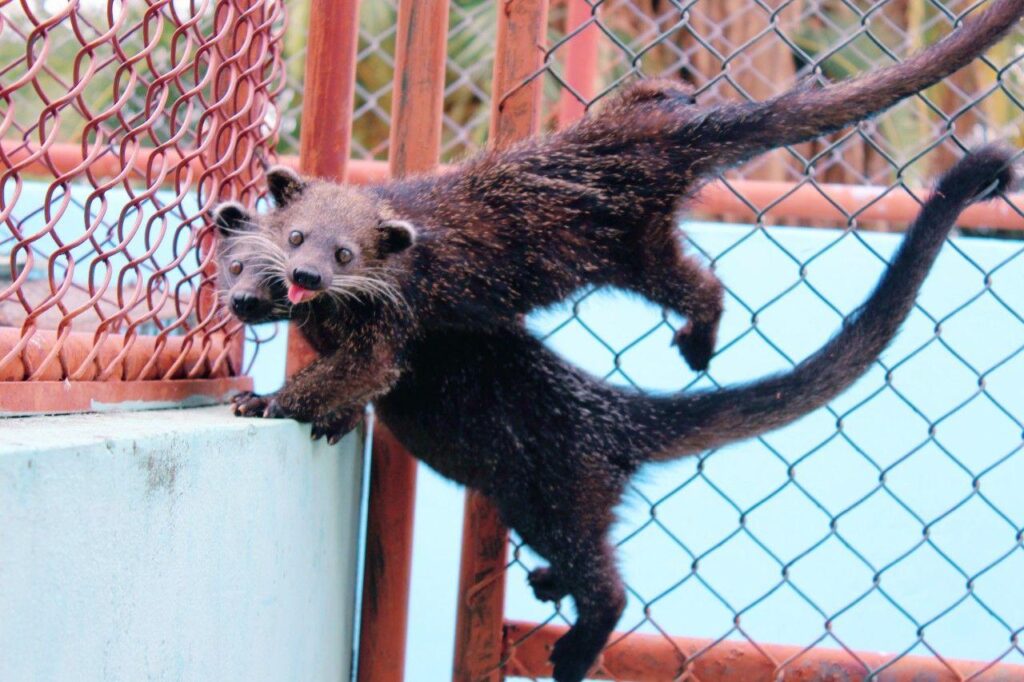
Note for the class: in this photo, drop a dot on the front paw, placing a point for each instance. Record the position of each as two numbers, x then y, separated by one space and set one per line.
335 425
249 404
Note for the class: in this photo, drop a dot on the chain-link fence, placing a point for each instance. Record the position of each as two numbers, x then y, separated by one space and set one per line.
888 522
121 124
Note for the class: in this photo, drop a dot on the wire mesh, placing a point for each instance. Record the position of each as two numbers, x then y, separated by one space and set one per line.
121 125
933 566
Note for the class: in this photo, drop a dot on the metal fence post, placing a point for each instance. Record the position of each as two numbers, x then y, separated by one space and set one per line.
416 116
580 61
326 113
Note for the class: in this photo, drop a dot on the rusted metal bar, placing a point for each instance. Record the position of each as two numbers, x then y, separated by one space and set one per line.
746 199
749 199
416 119
53 397
64 158
580 62
330 87
330 83
478 629
515 114
653 658
518 58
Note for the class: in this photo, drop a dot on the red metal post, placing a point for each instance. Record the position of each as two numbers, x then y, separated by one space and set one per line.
580 61
515 114
416 117
330 86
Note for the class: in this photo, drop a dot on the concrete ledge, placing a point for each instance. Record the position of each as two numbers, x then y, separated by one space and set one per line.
175 545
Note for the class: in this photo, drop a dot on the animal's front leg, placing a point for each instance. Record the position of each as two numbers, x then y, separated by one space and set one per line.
249 404
330 423
332 392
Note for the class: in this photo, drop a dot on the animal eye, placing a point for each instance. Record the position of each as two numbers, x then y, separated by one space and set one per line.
295 238
235 268
343 255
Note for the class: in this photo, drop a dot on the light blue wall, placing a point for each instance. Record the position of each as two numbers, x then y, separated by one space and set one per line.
175 545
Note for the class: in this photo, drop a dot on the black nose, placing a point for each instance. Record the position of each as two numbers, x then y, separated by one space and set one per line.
307 279
247 307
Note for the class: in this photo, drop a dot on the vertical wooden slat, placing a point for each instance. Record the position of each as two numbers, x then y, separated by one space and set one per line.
515 114
329 88
326 113
416 116
515 105
580 62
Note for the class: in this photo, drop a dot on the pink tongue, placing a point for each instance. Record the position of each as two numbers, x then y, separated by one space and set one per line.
297 294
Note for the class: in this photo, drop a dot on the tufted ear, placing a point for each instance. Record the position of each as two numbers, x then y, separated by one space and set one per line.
396 236
231 216
284 185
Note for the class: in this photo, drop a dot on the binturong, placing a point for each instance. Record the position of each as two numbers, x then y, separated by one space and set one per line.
554 448
500 234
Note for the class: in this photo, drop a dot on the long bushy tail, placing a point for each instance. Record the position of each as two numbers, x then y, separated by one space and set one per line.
806 112
698 421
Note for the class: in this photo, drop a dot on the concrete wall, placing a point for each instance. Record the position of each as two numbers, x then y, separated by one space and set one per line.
175 545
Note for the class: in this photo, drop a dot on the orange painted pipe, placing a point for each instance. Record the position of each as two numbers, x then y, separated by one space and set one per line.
481 601
326 130
770 199
655 658
421 46
329 88
580 62
751 199
52 397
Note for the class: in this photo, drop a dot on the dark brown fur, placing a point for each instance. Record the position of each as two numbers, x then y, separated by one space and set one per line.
508 231
554 448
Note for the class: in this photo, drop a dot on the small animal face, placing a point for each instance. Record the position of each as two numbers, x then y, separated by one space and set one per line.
249 266
335 241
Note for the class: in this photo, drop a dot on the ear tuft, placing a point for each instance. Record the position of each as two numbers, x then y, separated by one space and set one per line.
396 236
231 216
284 185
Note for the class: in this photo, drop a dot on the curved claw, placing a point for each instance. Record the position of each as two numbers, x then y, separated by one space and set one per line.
334 426
274 410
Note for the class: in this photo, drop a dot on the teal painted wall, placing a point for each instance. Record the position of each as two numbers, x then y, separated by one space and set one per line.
175 545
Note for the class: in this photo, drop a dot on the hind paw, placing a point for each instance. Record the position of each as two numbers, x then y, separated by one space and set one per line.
696 344
572 656
545 586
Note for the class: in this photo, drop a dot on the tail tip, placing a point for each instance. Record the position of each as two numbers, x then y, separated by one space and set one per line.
980 175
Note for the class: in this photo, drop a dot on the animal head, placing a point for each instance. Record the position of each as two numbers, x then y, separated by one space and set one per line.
330 240
249 266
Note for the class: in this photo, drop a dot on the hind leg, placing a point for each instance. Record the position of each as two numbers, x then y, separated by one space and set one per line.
583 567
681 283
597 590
